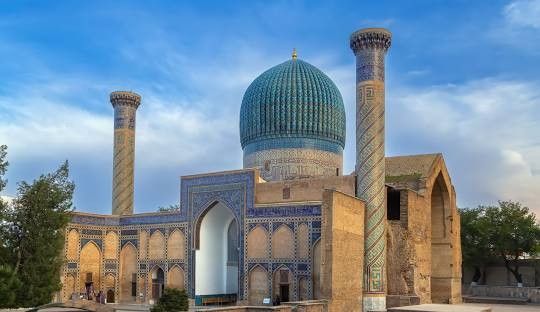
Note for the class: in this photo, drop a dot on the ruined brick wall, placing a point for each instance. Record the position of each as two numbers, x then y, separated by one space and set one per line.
399 256
420 227
424 247
409 249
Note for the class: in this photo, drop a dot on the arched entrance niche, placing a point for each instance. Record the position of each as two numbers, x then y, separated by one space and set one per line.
216 255
110 296
109 287
128 273
258 285
282 284
441 247
175 277
157 277
90 267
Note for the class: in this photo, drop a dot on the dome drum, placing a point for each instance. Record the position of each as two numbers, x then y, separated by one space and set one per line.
294 163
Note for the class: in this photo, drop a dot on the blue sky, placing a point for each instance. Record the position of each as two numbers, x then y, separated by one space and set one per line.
462 79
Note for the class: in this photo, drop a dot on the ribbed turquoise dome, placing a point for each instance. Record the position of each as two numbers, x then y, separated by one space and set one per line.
293 100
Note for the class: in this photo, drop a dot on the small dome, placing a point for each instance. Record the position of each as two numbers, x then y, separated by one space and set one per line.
292 100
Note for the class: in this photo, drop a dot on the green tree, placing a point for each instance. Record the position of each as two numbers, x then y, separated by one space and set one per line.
3 166
33 237
9 286
173 300
9 282
512 232
170 208
475 246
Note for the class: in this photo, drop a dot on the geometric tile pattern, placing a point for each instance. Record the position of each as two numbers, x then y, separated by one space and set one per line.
125 106
288 163
236 191
292 99
370 46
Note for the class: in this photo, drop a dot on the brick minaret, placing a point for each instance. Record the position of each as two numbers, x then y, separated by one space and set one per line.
125 106
369 47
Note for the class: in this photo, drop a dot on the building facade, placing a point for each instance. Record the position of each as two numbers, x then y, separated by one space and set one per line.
289 224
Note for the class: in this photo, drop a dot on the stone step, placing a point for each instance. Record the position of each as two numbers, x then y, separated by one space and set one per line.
495 300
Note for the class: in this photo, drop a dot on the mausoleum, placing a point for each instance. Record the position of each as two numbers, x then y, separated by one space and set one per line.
290 223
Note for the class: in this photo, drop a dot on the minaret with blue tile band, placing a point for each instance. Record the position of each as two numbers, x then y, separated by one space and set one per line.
125 106
370 46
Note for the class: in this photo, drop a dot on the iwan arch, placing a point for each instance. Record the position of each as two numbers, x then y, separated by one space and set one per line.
290 223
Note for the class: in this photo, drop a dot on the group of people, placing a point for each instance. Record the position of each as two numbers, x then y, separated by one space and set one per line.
90 294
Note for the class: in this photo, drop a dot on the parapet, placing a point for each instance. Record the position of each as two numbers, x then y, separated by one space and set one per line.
371 38
125 98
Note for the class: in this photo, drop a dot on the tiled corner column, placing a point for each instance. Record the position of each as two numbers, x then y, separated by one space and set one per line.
125 106
370 46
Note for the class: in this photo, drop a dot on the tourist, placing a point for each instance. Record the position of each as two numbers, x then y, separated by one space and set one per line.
277 300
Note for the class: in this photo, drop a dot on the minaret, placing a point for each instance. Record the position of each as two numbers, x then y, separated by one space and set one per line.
125 106
370 46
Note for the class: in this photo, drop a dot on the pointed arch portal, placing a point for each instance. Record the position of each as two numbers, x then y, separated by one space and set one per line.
216 255
441 245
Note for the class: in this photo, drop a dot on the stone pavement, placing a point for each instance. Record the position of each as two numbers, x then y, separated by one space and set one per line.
508 307
468 307
442 308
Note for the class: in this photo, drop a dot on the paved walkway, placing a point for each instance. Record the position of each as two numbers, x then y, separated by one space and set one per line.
469 307
442 308
508 307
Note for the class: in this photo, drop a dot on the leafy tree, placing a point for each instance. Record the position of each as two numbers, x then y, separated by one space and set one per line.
173 300
170 208
475 247
9 285
8 279
33 237
3 166
512 232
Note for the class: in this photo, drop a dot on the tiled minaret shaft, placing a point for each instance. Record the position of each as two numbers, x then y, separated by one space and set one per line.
370 47
125 106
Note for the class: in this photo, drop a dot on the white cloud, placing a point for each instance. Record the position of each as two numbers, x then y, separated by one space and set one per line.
172 136
487 129
523 13
188 123
518 26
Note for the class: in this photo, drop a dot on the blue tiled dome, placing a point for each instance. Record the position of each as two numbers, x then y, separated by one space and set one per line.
293 100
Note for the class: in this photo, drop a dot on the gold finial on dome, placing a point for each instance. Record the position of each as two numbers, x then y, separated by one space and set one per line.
294 55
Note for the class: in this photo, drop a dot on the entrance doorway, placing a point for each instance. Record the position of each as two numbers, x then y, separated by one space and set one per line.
158 283
110 296
216 255
284 292
282 284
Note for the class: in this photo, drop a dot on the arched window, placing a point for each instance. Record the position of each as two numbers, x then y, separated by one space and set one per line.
232 245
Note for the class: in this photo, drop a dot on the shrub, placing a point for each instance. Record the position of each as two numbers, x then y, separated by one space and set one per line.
172 300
